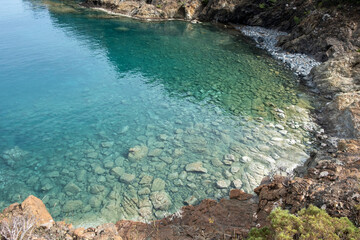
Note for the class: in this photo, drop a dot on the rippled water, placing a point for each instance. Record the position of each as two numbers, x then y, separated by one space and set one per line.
101 115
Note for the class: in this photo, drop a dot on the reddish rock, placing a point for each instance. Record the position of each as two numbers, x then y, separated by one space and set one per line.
35 207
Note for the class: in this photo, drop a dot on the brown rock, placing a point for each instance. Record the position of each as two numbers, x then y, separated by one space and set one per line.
35 207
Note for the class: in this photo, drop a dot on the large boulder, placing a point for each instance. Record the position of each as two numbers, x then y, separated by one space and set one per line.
33 206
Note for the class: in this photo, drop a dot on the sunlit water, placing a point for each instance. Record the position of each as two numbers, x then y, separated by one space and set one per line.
100 115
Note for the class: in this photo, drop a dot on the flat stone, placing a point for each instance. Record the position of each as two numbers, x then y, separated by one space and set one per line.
279 126
146 180
245 159
107 144
237 183
92 155
96 189
229 157
191 200
195 167
144 191
99 170
223 184
234 169
158 185
117 171
127 178
155 152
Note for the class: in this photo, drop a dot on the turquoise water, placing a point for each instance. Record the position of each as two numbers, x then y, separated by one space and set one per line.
101 115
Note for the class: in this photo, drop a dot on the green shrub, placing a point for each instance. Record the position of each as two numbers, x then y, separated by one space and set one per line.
262 5
297 20
310 223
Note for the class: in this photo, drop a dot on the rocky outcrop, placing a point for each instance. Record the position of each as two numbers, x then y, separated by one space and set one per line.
152 9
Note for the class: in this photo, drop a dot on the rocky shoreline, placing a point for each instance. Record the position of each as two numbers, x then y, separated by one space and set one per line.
329 179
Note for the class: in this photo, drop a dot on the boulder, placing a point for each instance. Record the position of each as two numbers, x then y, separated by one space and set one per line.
33 206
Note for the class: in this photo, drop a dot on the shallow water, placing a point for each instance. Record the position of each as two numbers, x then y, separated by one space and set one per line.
80 90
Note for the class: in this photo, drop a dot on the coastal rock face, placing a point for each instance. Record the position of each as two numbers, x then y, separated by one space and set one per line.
342 115
339 74
153 9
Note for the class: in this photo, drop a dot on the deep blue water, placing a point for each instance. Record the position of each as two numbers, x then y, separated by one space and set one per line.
79 88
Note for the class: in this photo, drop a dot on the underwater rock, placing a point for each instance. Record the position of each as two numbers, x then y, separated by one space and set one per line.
155 152
146 180
158 185
127 178
107 144
72 206
245 159
223 184
138 152
92 155
195 167
71 189
117 171
160 200
191 200
237 183
12 156
96 189
144 191
95 202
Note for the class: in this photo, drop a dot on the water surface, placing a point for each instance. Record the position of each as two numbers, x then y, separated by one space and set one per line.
80 90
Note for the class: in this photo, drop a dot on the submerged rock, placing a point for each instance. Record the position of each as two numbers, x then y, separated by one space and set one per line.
158 185
138 152
195 167
223 184
160 200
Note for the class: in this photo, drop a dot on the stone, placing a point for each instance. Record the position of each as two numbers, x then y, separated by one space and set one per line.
245 159
195 167
155 152
107 144
96 189
234 169
279 126
216 162
158 185
99 170
138 152
71 189
72 206
144 191
160 200
239 195
191 200
117 171
146 180
229 157
237 183
223 184
95 202
92 155
33 206
127 178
